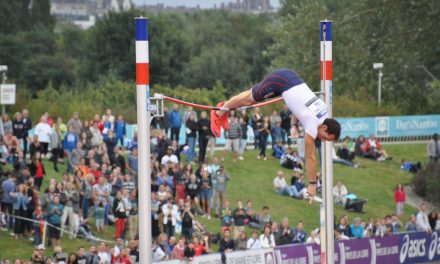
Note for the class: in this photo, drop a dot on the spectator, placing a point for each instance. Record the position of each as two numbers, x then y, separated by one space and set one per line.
157 252
204 129
170 217
120 129
241 242
422 221
281 187
263 133
339 193
175 122
13 146
313 238
18 127
396 224
27 125
75 123
76 155
7 124
226 243
221 177
96 139
285 234
432 217
179 250
133 164
275 118
239 215
37 170
265 218
120 211
399 198
437 222
411 225
191 137
226 217
70 143
56 145
110 142
201 246
343 228
192 187
286 117
38 217
87 194
169 157
21 202
99 213
43 131
299 234
133 219
55 213
357 230
233 135
267 239
433 149
119 160
375 148
256 122
254 241
70 200
187 217
189 251
34 147
205 192
243 137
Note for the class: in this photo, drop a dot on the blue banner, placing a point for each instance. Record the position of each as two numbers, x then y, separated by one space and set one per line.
390 126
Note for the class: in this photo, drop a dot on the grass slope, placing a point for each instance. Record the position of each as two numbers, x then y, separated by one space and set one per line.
253 179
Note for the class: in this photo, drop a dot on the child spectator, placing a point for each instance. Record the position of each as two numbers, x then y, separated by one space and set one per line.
99 217
399 198
38 216
254 242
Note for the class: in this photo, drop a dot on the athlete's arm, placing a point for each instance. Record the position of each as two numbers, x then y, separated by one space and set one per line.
310 162
243 99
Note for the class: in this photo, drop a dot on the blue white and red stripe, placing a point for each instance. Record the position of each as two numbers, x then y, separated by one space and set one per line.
326 50
142 58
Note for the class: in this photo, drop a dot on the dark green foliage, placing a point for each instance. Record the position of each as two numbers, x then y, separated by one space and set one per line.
427 183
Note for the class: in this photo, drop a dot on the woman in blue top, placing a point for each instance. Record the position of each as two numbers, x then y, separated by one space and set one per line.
20 209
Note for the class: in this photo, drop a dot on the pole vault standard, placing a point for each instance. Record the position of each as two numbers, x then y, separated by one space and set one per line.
143 132
326 213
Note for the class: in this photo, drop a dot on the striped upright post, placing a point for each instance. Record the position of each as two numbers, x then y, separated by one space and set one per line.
143 131
326 215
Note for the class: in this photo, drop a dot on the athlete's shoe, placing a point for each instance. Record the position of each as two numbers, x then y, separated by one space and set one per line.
224 117
217 122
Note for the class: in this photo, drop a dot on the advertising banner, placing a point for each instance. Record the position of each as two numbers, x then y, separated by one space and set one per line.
419 247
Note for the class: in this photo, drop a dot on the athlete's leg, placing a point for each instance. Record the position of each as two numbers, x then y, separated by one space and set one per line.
243 99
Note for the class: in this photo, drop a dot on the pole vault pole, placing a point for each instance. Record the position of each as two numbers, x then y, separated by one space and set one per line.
143 132
327 215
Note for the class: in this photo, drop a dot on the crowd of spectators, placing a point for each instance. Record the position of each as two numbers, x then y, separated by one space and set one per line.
99 187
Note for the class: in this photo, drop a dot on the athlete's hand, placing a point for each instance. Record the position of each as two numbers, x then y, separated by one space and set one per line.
311 191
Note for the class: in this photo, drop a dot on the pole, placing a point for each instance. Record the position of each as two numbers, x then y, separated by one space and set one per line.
326 212
379 87
143 121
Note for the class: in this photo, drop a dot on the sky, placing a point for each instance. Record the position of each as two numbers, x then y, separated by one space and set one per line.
193 3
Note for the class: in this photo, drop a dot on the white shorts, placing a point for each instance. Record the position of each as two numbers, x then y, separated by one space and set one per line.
233 145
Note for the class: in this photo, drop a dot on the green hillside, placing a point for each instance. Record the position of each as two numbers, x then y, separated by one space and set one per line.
252 179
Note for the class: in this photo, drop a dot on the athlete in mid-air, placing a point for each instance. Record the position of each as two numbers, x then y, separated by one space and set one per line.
301 101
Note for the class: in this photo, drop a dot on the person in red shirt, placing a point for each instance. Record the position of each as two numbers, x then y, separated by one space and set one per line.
399 198
124 257
37 169
199 248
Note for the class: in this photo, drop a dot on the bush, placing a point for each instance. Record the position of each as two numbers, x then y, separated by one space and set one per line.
426 183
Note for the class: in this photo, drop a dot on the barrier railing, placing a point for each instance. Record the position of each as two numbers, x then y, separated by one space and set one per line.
405 248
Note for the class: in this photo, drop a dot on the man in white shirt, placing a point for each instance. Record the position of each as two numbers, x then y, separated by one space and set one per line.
422 222
281 186
169 157
43 131
301 101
